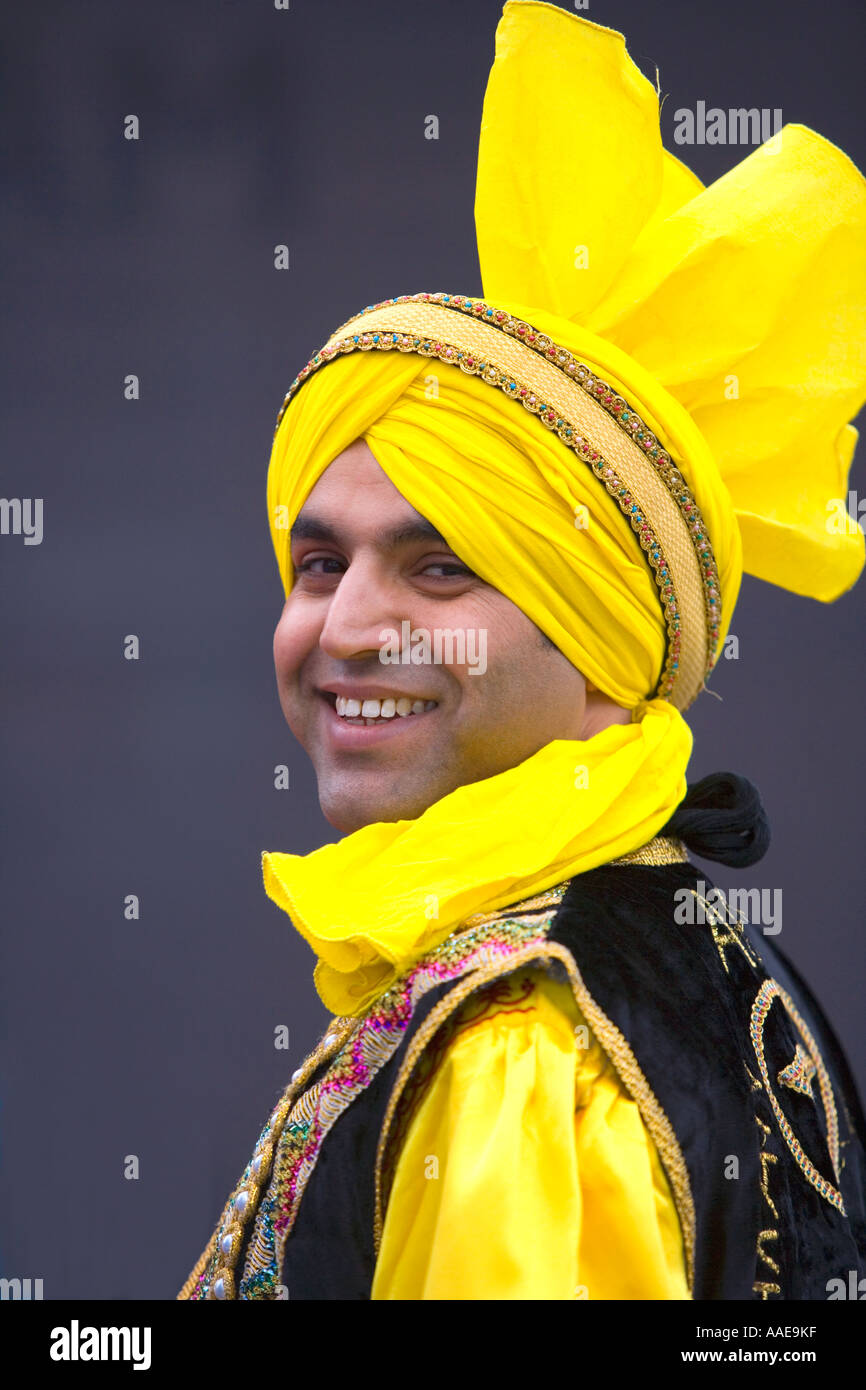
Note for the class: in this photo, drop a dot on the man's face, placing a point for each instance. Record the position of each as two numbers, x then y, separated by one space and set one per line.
365 561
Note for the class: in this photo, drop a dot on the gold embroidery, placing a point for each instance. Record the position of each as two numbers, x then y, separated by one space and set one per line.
756 1085
613 1043
766 1289
761 1287
522 909
766 1160
370 1040
762 1254
732 935
769 991
798 1074
664 849
198 1268
219 1256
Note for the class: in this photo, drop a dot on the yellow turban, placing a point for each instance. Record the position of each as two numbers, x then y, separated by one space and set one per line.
731 319
713 339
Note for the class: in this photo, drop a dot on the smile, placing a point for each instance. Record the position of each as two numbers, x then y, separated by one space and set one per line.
356 722
372 711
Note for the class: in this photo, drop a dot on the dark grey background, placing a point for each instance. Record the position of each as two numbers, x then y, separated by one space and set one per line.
155 777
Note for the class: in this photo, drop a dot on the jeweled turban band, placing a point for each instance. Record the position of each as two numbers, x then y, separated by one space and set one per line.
604 430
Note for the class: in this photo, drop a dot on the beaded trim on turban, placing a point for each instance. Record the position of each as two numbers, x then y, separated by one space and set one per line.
604 431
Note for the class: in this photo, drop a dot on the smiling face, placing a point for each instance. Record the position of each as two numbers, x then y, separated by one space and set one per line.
386 738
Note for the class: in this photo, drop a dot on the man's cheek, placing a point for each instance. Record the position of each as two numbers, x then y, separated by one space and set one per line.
299 719
289 654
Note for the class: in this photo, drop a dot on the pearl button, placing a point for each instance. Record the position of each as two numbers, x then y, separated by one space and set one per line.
330 1039
241 1202
219 1289
296 1074
226 1244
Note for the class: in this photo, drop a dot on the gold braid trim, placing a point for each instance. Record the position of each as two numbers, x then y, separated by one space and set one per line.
231 1224
199 1266
616 1048
662 850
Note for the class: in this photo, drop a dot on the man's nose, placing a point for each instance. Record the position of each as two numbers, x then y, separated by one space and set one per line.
363 605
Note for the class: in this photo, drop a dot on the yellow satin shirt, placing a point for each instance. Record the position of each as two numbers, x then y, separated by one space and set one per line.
526 1171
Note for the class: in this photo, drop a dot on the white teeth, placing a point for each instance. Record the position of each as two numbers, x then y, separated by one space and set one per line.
371 711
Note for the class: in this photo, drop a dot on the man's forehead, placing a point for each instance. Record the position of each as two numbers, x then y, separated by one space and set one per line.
382 514
314 523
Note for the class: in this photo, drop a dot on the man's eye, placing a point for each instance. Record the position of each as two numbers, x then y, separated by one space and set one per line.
454 568
306 566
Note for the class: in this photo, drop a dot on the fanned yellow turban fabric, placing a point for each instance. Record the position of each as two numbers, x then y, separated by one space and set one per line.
714 340
732 318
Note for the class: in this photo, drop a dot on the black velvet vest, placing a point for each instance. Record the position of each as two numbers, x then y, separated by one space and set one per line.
737 1073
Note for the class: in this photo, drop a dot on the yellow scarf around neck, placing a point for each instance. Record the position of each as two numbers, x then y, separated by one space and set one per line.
377 900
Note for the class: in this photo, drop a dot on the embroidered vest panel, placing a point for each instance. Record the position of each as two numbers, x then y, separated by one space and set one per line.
743 1062
336 1106
737 1074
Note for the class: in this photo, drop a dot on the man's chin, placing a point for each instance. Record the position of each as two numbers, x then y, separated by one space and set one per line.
351 808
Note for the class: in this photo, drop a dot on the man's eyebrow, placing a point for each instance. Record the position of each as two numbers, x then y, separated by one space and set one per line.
312 528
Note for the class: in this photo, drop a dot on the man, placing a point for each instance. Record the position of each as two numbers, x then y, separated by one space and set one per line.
558 1067
529 694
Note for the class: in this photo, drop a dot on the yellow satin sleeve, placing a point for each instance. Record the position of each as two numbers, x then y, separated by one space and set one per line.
526 1171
